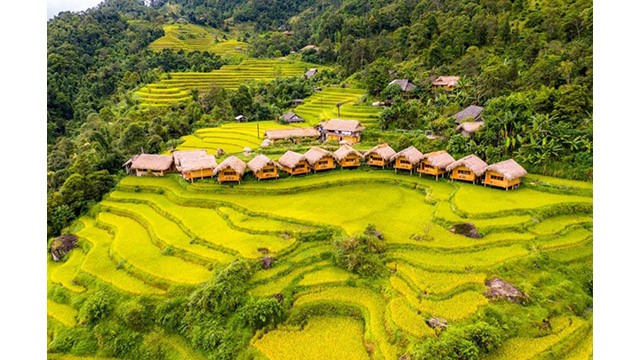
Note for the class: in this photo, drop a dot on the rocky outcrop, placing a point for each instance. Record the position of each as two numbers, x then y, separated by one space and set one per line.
61 245
466 229
500 289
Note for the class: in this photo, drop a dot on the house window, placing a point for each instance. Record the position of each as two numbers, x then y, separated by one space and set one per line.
404 162
464 172
323 162
229 173
427 166
299 166
495 177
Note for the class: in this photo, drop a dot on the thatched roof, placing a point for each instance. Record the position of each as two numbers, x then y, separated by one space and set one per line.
188 158
315 153
510 169
345 150
411 153
405 84
310 47
446 81
232 162
290 159
469 128
472 162
291 133
151 162
472 111
342 125
201 163
259 162
439 159
310 72
383 150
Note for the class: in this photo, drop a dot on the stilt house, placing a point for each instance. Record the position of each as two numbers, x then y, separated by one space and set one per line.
469 168
407 159
505 174
230 170
319 159
293 163
263 168
380 155
435 163
348 157
194 164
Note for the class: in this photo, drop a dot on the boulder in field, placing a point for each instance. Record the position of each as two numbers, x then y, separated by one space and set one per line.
466 229
62 245
500 289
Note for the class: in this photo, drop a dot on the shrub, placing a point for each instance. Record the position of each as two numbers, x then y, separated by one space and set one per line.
136 313
96 307
117 340
169 314
361 254
261 312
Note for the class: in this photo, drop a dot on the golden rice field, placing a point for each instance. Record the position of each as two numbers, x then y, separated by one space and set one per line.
190 37
151 234
321 106
177 86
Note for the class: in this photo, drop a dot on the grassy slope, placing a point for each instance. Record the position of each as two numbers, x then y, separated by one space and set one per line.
191 37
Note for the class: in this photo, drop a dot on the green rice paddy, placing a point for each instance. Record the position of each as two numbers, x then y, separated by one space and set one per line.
321 106
177 86
191 37
152 233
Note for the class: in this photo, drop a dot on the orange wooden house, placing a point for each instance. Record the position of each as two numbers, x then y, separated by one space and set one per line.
469 168
435 163
230 170
380 155
348 157
194 164
263 168
407 159
319 159
293 163
149 165
505 174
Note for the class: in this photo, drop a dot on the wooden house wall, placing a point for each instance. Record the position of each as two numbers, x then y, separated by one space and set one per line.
229 175
301 168
463 173
403 163
267 172
197 174
324 163
350 160
376 160
424 167
496 179
146 172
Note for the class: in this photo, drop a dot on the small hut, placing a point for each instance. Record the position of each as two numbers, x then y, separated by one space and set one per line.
339 130
505 174
435 163
297 102
446 82
347 157
310 73
319 159
291 117
231 169
470 113
469 168
263 168
293 163
407 159
241 118
149 165
405 84
380 155
194 164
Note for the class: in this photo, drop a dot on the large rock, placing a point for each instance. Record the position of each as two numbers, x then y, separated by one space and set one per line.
62 245
437 323
466 229
500 289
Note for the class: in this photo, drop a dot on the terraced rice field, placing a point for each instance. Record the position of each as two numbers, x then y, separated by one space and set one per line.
178 86
191 37
153 233
321 106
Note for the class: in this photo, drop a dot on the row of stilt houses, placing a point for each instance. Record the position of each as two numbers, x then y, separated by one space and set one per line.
196 164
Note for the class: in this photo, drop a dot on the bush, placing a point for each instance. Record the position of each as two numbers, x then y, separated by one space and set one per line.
136 313
96 307
361 254
261 312
117 340
169 314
